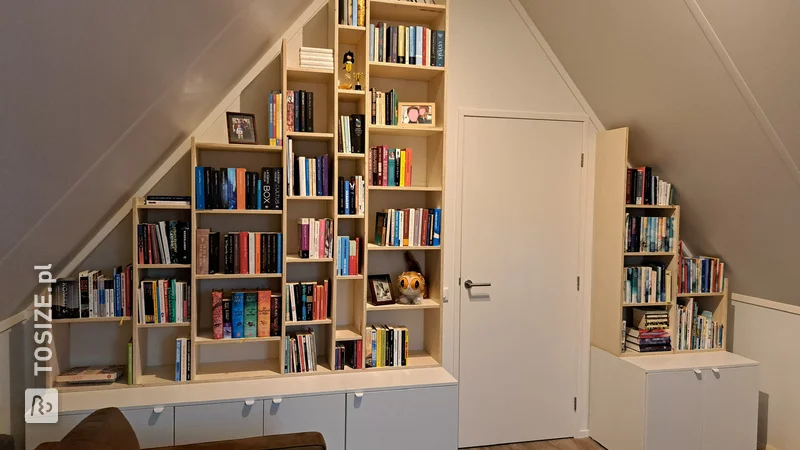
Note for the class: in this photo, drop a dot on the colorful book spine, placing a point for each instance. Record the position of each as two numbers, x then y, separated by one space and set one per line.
264 312
227 319
237 315
250 314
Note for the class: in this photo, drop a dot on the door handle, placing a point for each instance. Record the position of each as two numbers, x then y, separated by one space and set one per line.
469 284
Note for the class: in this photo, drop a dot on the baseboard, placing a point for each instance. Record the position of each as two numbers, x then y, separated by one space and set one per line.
763 446
582 434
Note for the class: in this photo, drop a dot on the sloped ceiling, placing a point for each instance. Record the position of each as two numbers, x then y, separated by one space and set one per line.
93 94
651 65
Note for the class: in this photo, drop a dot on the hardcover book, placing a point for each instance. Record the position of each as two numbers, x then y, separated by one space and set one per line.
237 315
250 314
264 312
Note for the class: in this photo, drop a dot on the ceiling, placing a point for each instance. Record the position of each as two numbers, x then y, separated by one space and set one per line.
94 94
652 65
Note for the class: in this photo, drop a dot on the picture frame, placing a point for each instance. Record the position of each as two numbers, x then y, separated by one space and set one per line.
241 128
380 288
417 114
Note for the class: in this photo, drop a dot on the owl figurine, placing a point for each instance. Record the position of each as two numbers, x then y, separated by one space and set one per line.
411 283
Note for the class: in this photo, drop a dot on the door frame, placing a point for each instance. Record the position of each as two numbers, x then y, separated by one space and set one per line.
583 299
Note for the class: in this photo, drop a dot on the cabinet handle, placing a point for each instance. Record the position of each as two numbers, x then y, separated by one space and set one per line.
158 409
698 371
249 402
715 370
277 401
359 394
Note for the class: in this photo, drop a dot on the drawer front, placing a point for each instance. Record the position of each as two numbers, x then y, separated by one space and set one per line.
218 422
321 413
153 429
401 419
38 433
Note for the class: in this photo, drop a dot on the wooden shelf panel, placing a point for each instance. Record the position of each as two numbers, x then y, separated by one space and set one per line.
351 216
311 198
163 266
416 359
268 212
210 146
704 294
350 155
400 130
402 11
350 277
649 253
157 375
164 207
93 320
645 305
164 325
405 188
426 304
302 323
351 95
373 247
120 383
347 333
349 34
307 75
303 136
238 276
295 259
651 206
234 370
205 338
404 71
703 350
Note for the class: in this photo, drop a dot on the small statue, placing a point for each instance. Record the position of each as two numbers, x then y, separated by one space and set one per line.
348 60
411 283
359 77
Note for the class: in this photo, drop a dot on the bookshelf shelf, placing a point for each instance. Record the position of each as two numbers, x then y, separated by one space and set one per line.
399 130
404 71
645 305
704 294
265 212
311 198
165 207
157 375
238 276
205 338
252 148
164 325
349 34
303 136
294 259
350 155
405 188
416 360
310 75
163 266
234 370
351 95
405 11
120 383
426 304
649 253
347 333
351 216
666 207
93 320
304 323
350 277
373 247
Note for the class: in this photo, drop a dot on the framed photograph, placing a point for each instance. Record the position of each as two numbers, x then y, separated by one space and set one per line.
380 287
241 128
417 114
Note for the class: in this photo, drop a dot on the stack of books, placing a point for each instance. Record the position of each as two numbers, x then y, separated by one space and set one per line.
649 234
347 256
390 166
168 200
97 295
316 238
91 375
387 346
183 359
306 301
406 44
351 133
697 329
702 274
383 108
165 242
352 198
236 188
257 313
348 354
643 188
316 58
164 301
650 332
301 352
408 227
647 284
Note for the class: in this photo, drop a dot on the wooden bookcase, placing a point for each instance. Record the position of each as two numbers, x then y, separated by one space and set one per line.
609 259
349 310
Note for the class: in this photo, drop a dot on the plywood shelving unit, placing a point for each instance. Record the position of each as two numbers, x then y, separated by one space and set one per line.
610 259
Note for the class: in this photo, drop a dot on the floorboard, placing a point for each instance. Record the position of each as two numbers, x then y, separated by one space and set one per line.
560 444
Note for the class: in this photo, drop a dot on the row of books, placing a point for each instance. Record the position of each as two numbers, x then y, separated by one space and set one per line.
311 176
352 12
168 200
164 301
316 58
183 359
383 107
647 284
300 111
94 295
649 234
348 353
408 227
352 196
390 166
165 242
406 44
242 252
701 274
306 301
236 188
351 133
301 352
387 346
247 314
697 329
316 238
275 119
347 256
644 188
649 332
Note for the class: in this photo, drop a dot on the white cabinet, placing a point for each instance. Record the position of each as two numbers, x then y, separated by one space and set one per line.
322 413
693 401
218 421
420 419
154 427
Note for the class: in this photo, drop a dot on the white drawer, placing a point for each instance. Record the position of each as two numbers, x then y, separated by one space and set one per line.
401 419
322 413
153 429
37 433
218 421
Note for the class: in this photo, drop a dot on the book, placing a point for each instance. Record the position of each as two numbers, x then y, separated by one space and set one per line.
301 349
250 314
644 188
700 274
237 315
91 374
130 362
316 238
390 167
227 319
216 313
264 313
406 44
164 301
407 227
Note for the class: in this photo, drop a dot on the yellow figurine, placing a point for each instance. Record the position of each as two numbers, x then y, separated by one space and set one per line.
349 60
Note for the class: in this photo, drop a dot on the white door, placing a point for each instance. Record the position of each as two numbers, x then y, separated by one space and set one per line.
520 232
730 414
674 411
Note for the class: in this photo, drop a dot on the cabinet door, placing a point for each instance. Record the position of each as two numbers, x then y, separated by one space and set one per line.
402 419
730 396
38 433
322 413
219 421
154 427
674 411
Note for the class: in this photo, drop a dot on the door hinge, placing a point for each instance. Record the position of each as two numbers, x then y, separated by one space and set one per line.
581 159
579 282
575 403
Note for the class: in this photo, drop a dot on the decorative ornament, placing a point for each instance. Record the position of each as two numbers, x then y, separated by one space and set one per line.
348 60
411 283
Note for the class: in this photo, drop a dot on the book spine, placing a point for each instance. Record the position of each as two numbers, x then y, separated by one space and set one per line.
227 319
199 188
178 359
216 314
275 315
264 313
241 196
440 48
250 314
237 315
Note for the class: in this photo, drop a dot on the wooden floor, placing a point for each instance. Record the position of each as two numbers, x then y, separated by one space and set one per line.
561 444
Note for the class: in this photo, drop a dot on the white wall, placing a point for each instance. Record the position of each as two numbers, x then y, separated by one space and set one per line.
16 373
770 336
494 63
